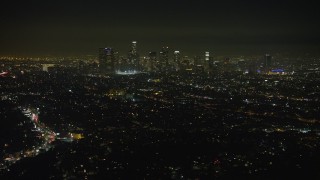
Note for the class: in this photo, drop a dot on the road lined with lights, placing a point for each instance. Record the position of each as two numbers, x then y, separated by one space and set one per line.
46 137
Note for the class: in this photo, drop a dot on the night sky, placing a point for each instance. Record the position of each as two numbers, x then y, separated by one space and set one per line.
80 27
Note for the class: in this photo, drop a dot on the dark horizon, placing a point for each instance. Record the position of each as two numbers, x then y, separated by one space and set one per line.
60 28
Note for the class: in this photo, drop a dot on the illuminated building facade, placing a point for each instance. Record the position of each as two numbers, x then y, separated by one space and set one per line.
133 56
176 60
207 56
206 61
164 59
267 62
106 60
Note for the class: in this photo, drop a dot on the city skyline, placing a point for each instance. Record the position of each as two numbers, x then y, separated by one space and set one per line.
159 89
60 28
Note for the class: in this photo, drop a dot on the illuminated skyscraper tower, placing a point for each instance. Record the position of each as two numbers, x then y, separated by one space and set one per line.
106 60
134 47
207 56
176 60
134 56
197 64
206 61
164 59
267 61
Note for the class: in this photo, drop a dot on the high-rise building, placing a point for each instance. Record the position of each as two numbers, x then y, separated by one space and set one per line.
211 65
177 60
106 60
207 56
133 56
185 63
267 61
197 64
206 61
153 61
134 47
164 58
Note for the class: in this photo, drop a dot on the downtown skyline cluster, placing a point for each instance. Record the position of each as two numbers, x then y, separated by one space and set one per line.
165 60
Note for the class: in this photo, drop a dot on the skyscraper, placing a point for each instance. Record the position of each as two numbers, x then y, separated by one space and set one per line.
133 56
153 61
176 60
267 60
206 61
164 58
106 60
198 65
207 56
134 47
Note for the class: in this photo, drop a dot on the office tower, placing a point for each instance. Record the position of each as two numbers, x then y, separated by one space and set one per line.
153 63
134 47
198 65
206 61
177 60
185 63
267 61
211 65
207 56
164 59
133 56
106 60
